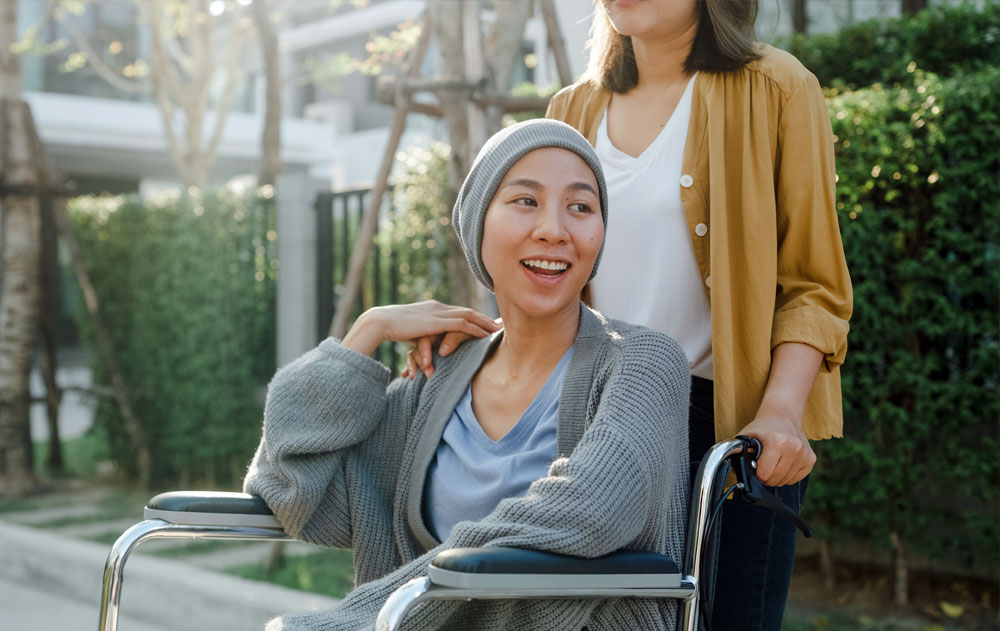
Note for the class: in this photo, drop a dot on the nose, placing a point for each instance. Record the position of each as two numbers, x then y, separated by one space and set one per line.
550 224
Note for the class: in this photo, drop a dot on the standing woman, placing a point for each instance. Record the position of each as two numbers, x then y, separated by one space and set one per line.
718 155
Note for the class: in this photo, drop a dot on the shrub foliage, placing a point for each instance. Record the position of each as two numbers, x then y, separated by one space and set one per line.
943 39
187 286
420 233
918 197
919 200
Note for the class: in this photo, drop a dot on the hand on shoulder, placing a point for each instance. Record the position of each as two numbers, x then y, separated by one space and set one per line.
420 323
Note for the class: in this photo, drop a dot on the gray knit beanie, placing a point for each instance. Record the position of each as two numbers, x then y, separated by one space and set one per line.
496 157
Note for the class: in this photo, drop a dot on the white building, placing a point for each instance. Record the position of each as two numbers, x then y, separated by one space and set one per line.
105 138
108 139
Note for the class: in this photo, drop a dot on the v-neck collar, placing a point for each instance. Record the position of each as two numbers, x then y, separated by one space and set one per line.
456 374
528 419
627 160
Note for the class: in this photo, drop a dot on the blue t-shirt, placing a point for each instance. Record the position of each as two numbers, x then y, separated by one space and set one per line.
471 472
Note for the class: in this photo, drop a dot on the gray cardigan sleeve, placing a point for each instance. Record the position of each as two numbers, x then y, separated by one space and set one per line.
608 494
318 409
629 461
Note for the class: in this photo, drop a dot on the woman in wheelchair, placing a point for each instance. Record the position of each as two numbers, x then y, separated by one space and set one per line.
564 432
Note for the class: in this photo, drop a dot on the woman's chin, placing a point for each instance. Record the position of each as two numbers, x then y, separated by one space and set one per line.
537 307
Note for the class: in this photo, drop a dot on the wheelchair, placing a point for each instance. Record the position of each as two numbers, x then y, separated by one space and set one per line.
488 573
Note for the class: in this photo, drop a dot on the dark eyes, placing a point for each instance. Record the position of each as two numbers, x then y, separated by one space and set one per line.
579 207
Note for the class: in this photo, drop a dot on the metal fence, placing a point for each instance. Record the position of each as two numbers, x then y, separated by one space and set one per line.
338 217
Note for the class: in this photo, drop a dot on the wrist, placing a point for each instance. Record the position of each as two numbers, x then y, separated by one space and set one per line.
776 407
365 335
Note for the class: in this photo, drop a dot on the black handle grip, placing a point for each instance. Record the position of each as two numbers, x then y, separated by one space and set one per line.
755 492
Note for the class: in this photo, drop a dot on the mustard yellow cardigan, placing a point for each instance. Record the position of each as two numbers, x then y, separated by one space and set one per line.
758 173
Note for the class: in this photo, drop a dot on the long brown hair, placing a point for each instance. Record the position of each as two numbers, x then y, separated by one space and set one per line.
724 42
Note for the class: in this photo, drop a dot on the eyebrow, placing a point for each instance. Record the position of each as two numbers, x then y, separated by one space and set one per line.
536 185
526 182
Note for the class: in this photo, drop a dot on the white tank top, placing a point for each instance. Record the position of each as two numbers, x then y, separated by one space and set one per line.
648 274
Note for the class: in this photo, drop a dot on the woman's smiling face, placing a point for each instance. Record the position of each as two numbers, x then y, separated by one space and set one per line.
542 232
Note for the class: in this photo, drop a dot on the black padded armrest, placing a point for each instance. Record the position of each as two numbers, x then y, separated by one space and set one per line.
514 567
210 508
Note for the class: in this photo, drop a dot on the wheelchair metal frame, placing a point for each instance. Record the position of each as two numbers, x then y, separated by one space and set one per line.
422 589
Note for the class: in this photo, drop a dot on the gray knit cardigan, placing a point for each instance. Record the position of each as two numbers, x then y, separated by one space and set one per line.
345 453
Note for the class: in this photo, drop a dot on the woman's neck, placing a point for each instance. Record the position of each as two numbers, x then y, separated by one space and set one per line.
660 59
531 345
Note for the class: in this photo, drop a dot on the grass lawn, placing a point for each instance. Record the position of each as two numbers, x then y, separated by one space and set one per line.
327 572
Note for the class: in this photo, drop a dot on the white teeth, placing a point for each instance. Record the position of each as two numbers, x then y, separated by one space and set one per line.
549 265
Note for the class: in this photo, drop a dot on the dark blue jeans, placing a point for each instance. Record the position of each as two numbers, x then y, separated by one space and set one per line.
756 547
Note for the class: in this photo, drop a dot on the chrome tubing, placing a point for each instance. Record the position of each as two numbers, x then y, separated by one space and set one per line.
701 501
420 590
114 567
400 602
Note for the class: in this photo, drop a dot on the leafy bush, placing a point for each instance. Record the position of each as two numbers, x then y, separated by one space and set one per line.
946 40
919 200
418 237
187 287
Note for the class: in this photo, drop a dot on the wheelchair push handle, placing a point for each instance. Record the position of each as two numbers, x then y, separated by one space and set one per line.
752 490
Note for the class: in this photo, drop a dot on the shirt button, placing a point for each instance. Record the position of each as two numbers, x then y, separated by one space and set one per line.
701 230
686 180
708 282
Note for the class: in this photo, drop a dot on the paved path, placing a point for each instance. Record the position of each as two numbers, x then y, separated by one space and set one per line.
50 582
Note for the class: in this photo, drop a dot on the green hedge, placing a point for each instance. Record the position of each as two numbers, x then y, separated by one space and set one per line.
919 197
187 290
914 104
946 40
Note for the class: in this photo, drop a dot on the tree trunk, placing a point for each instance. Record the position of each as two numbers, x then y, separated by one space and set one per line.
474 71
827 565
447 23
19 302
270 139
275 557
912 6
448 31
502 47
49 328
900 571
270 154
20 162
800 19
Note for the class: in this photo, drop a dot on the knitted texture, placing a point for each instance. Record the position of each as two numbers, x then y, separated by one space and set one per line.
497 156
344 457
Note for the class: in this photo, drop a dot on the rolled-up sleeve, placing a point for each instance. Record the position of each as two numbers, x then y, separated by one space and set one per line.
814 298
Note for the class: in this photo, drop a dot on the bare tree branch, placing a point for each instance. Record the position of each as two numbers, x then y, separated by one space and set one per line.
502 46
99 65
159 79
173 86
201 43
225 102
557 44
270 138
